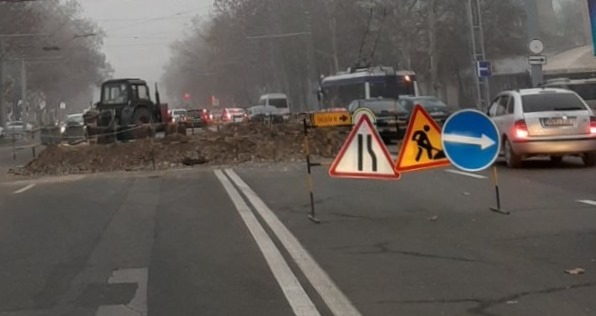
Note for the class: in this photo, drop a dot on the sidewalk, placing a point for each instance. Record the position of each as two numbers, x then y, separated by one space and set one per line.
11 158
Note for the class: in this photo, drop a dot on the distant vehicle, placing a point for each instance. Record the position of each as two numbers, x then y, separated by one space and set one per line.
392 117
197 117
279 101
216 115
264 113
74 128
234 115
17 129
438 110
124 105
544 122
179 116
585 88
367 83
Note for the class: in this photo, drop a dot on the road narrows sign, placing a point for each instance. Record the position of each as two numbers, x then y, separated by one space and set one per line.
364 155
422 147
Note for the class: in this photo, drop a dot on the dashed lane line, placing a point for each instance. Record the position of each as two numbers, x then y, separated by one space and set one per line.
467 174
333 297
587 202
30 186
301 304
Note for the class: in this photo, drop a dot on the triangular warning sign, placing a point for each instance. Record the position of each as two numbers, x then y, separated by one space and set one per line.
422 147
364 155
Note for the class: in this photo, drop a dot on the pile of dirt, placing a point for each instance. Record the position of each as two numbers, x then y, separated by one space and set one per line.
232 144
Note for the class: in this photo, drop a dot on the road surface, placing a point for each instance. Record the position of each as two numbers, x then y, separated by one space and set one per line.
237 242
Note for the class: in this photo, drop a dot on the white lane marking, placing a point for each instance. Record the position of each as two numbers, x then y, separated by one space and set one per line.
335 299
588 202
295 294
138 304
467 174
24 189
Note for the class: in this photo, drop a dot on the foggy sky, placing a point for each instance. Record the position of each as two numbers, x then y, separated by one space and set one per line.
156 23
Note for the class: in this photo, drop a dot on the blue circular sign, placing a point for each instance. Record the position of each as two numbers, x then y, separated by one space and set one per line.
471 140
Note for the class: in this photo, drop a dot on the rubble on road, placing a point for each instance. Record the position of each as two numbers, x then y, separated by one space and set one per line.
232 144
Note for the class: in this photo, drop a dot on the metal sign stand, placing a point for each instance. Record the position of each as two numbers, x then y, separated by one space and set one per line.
309 179
498 209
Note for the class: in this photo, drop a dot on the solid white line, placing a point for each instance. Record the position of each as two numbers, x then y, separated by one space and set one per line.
335 299
588 202
467 174
138 304
24 189
299 301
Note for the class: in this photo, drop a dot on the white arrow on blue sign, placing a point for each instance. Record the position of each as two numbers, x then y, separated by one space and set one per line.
471 140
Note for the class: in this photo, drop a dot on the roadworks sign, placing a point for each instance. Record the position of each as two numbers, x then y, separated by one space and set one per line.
364 155
329 119
422 147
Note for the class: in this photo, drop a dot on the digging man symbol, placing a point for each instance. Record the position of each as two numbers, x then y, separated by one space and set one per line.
424 145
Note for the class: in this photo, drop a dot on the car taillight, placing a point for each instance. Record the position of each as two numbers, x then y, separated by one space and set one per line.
593 125
520 129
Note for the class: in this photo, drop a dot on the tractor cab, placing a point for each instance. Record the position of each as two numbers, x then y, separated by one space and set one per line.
119 93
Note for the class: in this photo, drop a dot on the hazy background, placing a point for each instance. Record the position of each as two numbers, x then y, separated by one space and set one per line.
139 32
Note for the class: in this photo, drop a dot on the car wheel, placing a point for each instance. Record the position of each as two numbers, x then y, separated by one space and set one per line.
512 159
589 159
556 160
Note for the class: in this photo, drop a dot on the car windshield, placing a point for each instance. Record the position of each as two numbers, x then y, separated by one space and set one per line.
279 103
430 103
236 111
384 105
75 119
546 102
194 113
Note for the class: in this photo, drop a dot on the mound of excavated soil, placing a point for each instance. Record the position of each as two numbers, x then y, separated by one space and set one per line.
232 144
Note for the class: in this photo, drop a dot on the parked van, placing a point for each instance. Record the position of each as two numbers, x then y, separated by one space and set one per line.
279 101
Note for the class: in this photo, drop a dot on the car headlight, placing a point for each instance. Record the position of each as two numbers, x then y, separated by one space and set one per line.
62 129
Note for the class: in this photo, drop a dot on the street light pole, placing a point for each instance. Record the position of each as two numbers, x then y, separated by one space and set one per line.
2 103
534 32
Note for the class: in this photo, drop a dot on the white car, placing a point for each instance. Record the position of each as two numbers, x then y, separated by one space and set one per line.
17 128
544 122
179 115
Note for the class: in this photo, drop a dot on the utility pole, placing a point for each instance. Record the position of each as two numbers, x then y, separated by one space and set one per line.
311 61
2 70
24 105
434 60
478 52
534 33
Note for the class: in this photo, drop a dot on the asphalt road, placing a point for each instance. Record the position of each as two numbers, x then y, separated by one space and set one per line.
211 242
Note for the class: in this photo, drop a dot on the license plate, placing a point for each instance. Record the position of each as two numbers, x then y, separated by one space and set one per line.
558 121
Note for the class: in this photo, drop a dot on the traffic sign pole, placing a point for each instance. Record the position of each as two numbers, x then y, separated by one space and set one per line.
498 193
472 143
309 180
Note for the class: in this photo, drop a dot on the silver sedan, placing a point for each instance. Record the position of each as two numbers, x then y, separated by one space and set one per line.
544 122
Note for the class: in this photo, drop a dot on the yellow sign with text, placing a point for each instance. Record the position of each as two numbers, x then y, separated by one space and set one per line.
329 119
422 147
